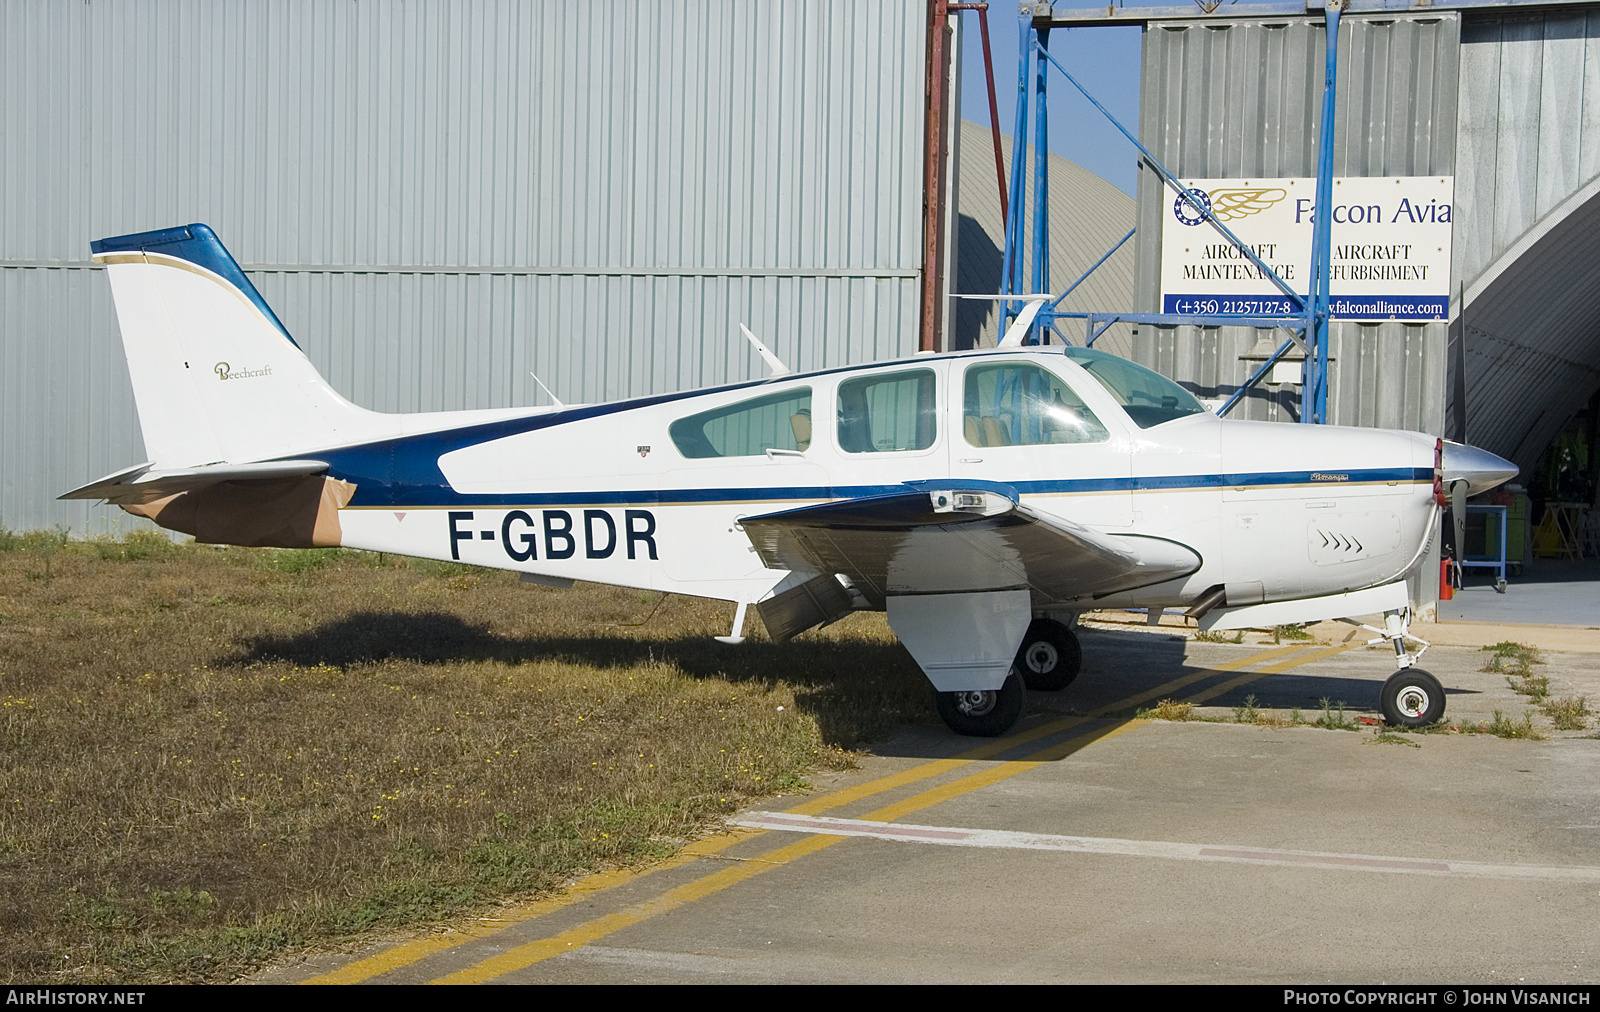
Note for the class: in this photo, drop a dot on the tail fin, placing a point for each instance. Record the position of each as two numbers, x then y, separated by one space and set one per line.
216 375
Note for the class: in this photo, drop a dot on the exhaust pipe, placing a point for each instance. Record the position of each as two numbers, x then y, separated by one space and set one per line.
1206 601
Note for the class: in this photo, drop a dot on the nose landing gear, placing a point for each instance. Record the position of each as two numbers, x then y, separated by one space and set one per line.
1411 698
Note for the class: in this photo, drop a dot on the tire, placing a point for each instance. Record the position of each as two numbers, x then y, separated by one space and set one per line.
984 714
1050 656
1412 698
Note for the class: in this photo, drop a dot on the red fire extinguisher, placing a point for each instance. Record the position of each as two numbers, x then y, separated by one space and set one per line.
1447 591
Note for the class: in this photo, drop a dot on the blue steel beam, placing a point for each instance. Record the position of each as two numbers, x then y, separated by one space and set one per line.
1041 189
1313 309
1016 218
1314 387
1161 170
1227 405
1044 14
1085 275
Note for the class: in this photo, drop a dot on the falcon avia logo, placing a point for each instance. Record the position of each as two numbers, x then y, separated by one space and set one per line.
1225 205
225 371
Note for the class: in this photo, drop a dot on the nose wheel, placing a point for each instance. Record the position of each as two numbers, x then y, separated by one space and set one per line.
1411 698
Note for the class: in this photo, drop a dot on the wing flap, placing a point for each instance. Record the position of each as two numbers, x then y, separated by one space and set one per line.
961 541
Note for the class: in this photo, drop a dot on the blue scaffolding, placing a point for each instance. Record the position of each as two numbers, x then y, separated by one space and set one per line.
1308 319
1307 322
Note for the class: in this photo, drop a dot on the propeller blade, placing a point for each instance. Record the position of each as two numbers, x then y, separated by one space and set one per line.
1458 512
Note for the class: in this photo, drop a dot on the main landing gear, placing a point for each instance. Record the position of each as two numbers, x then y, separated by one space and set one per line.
983 713
1050 656
1048 660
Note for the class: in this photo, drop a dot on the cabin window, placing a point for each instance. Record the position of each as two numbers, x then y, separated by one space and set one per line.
1148 397
887 412
780 421
1013 404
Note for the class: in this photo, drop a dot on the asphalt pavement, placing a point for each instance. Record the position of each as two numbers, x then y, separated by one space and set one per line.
1093 845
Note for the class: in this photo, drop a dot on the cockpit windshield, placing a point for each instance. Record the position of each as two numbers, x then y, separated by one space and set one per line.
1148 397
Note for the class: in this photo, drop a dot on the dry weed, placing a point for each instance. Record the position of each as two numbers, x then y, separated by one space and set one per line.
1169 709
212 754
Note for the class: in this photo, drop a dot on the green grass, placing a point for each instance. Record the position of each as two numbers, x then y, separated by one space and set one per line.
1389 736
213 755
1506 727
1249 712
1508 653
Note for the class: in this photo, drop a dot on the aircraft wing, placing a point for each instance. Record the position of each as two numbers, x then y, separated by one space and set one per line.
143 483
961 540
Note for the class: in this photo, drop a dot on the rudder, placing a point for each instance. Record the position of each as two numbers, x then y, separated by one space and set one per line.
215 374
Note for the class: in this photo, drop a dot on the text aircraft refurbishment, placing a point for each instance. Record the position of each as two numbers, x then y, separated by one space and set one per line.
982 499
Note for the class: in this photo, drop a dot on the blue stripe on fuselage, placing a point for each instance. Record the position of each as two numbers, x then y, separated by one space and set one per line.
416 495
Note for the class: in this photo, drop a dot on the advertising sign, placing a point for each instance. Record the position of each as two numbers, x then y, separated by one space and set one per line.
1390 254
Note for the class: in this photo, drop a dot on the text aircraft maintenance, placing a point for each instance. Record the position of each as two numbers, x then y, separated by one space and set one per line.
983 499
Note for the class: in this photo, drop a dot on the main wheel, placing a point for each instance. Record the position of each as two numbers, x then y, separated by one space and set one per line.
984 713
1050 656
1411 698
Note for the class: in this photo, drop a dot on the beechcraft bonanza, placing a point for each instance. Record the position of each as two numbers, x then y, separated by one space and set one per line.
983 499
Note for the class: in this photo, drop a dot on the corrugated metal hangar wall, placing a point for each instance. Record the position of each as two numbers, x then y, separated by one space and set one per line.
1243 98
1508 101
439 197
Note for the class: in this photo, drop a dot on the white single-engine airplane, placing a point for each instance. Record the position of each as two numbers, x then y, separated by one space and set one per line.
983 499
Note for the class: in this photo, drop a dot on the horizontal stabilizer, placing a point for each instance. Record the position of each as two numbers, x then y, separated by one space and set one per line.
948 541
140 484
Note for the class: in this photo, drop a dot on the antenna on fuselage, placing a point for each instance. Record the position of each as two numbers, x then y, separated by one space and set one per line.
774 363
547 393
1019 327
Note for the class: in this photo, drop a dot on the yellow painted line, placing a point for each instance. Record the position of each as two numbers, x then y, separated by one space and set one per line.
407 953
1060 751
944 792
1189 679
1319 655
411 952
537 952
817 806
524 956
1245 679
995 774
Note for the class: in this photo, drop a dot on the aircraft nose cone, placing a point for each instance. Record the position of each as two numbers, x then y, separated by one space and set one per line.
1480 469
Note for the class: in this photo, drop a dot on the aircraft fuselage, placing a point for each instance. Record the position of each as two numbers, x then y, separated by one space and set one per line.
609 493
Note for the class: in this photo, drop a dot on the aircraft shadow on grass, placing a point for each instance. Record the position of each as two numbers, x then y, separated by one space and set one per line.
856 691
